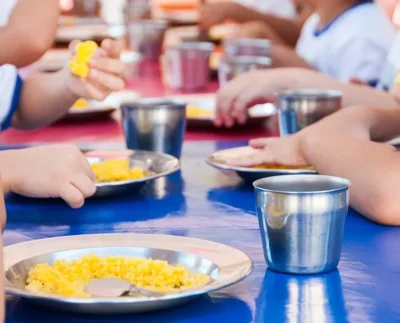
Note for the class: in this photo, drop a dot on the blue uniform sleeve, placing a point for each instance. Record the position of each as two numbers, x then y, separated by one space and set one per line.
10 92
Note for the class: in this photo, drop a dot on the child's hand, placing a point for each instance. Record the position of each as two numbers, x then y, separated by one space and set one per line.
48 172
105 74
244 92
279 151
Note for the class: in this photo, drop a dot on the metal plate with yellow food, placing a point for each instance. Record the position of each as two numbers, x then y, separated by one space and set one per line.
59 272
220 158
200 111
125 171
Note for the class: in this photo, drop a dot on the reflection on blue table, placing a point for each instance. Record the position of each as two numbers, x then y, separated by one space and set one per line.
200 202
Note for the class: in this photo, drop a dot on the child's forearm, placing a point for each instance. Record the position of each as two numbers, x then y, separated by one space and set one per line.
44 99
26 35
298 78
372 168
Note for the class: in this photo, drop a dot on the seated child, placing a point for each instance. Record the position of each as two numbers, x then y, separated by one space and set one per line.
58 170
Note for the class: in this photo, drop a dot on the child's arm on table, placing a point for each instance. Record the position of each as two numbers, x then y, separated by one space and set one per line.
259 87
216 13
340 145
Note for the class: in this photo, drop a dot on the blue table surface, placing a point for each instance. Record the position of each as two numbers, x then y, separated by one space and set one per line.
201 202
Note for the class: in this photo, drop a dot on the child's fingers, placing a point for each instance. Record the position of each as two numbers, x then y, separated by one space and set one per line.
108 81
260 143
70 194
72 45
258 158
95 91
113 66
112 47
84 184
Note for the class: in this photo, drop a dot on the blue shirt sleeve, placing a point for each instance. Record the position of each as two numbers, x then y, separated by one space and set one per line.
14 104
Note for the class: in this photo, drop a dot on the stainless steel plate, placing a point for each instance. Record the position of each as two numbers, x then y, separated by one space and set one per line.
224 264
252 174
157 163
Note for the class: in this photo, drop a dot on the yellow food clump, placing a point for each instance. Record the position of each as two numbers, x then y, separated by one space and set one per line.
193 111
70 278
80 104
79 64
114 170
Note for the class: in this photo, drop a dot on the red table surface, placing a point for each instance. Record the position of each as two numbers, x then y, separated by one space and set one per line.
149 85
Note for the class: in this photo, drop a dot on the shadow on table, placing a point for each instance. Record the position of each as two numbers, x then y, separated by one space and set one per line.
205 309
301 298
156 200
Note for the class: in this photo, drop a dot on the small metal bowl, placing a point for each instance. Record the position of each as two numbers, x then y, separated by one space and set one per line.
298 109
247 47
158 164
301 220
230 67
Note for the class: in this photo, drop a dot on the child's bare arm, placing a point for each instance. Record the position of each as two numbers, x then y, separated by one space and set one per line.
29 32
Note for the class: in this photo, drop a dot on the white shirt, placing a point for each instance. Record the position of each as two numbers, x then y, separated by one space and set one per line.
10 91
392 66
283 8
356 44
6 7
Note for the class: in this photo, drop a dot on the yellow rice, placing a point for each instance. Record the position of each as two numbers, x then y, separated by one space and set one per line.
114 170
70 278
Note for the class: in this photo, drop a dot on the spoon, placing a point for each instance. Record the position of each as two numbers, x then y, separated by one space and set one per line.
115 287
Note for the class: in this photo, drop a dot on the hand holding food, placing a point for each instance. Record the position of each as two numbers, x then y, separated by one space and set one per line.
96 71
48 172
243 92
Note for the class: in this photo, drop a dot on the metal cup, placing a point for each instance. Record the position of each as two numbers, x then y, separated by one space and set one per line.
146 37
154 124
301 220
247 47
231 67
298 109
187 65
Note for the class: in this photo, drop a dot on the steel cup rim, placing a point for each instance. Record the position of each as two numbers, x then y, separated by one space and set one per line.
248 59
346 184
153 103
311 94
259 42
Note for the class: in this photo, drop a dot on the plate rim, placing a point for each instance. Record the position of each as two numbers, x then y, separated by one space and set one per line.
23 293
225 167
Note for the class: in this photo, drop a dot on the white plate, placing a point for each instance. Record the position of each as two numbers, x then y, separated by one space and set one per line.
100 109
226 266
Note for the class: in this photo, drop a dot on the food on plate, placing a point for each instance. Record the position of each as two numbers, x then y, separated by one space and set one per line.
70 278
114 170
79 64
81 104
193 111
224 156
